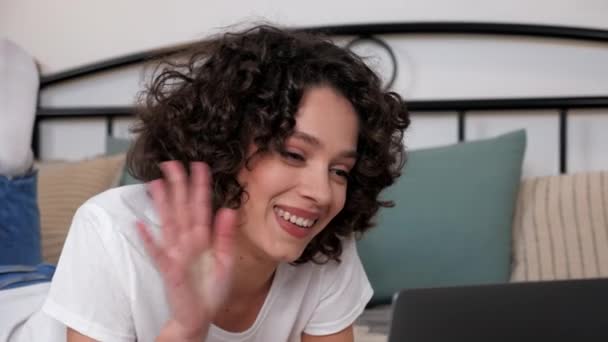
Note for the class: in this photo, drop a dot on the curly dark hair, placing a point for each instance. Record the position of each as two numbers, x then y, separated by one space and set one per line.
215 98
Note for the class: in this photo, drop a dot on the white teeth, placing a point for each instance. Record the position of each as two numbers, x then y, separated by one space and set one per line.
287 216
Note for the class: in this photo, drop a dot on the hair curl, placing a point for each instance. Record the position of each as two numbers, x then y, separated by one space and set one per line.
212 101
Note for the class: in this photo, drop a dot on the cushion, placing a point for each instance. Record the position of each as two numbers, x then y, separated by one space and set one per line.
19 221
63 187
18 99
561 227
118 146
452 221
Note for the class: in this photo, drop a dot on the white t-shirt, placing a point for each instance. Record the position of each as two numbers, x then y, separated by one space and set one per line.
106 286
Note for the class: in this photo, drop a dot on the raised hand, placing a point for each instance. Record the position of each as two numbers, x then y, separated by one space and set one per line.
195 255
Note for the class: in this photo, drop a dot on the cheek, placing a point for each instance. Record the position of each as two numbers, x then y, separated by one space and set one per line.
340 200
263 184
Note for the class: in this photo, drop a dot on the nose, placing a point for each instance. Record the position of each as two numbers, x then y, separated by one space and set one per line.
316 186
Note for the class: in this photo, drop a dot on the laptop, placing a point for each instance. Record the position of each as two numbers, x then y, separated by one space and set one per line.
565 310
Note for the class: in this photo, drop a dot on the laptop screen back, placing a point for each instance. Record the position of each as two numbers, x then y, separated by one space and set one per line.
573 310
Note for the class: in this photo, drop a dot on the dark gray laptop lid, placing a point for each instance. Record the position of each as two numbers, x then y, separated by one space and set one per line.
573 310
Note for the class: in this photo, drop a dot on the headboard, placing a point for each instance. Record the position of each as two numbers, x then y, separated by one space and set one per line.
375 34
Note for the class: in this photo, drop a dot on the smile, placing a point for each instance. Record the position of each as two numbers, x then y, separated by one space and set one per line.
297 220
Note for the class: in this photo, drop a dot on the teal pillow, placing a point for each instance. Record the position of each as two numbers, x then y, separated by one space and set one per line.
117 146
451 224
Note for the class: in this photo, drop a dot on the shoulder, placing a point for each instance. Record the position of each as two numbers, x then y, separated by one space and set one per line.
334 271
125 203
112 215
129 200
102 268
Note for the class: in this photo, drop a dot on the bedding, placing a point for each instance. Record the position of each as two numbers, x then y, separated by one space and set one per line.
63 187
20 318
452 220
13 276
561 227
19 221
115 146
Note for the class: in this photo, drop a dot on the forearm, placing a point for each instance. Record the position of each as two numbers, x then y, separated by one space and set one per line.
173 332
346 335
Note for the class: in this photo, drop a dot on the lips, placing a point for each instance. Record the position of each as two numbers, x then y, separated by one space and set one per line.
306 214
296 222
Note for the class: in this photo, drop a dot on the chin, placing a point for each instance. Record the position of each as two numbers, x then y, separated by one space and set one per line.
287 254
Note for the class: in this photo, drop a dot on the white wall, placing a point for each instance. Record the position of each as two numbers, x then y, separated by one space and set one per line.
63 34
66 33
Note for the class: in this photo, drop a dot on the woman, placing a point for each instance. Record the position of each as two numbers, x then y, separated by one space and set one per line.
264 152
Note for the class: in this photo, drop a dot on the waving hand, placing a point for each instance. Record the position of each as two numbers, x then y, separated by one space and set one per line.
195 255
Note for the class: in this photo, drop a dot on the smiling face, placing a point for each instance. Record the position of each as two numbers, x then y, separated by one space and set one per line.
294 193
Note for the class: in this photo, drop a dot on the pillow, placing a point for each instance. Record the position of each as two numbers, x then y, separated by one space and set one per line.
118 146
451 224
62 188
560 229
19 221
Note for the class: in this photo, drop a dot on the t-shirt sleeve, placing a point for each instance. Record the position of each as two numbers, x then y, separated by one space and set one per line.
344 292
89 291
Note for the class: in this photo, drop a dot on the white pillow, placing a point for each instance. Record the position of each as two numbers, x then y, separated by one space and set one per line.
559 230
18 99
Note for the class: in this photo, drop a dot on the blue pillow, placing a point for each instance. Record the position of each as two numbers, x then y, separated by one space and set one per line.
19 221
452 221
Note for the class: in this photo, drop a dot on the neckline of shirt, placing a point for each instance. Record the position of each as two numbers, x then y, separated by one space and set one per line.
266 307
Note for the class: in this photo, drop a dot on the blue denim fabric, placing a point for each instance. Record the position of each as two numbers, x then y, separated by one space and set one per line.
12 276
19 221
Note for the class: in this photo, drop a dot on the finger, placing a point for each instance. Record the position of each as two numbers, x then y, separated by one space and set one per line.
152 248
160 199
200 201
176 178
224 239
170 272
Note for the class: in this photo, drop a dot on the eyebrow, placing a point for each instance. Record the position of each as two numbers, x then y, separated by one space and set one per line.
314 141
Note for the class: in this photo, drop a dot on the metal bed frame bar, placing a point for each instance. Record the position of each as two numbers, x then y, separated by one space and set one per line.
367 32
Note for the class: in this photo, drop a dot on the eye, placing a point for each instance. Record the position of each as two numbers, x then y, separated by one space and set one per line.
342 173
293 156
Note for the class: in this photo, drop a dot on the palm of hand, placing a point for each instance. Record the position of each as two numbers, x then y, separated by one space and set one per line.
196 265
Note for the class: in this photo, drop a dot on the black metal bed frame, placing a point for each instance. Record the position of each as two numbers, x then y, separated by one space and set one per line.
369 32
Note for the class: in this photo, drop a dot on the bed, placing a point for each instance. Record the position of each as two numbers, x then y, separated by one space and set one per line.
469 127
